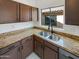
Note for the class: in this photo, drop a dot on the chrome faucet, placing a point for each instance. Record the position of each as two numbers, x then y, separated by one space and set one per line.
50 27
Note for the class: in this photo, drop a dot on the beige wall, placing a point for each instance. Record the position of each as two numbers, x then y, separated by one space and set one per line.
27 2
14 26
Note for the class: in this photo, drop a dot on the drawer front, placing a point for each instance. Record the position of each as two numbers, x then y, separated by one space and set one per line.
26 39
51 46
38 39
10 47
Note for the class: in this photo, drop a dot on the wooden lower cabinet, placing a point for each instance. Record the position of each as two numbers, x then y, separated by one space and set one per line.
38 46
44 49
27 48
39 49
18 50
50 54
11 53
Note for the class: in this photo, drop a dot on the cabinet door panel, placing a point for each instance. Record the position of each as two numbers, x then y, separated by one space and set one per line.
25 13
52 46
27 47
39 49
38 46
35 14
50 54
8 11
13 54
72 12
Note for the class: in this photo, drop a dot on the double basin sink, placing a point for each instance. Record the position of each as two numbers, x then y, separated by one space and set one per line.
49 36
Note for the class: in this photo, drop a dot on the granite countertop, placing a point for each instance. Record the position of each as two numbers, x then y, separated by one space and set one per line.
66 43
12 37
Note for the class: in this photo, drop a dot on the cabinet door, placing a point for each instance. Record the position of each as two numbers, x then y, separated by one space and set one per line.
39 49
50 54
19 53
27 47
35 14
12 54
8 11
72 12
25 13
38 46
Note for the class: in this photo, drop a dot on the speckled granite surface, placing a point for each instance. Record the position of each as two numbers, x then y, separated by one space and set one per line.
68 44
65 43
12 37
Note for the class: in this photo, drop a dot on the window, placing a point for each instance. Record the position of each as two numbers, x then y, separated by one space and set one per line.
55 15
60 18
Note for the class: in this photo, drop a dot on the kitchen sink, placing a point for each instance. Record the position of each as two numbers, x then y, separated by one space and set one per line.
50 36
45 34
54 37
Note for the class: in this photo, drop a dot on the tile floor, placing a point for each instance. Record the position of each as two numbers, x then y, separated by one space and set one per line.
33 56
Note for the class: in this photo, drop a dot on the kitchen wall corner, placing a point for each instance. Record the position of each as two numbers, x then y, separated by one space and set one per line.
15 26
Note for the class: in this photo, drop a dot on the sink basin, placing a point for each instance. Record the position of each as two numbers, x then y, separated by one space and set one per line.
54 37
50 36
45 34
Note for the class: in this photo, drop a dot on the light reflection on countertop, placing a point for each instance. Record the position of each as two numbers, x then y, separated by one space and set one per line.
60 42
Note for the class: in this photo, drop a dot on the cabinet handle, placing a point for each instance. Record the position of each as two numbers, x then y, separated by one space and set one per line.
19 49
22 47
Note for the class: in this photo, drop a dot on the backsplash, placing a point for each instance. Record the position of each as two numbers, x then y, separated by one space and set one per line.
14 26
71 29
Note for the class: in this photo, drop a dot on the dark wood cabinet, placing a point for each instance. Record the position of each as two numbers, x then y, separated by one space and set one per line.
35 14
11 52
50 51
25 13
18 50
8 11
50 54
38 46
72 12
12 12
39 49
44 49
23 48
27 48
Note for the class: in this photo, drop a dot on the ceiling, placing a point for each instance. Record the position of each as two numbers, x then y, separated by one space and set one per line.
49 3
42 3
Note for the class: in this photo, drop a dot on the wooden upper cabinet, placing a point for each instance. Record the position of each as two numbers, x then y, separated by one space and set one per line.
8 11
72 12
25 13
35 14
11 12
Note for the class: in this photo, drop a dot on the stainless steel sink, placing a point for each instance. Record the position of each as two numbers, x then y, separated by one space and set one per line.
54 37
45 34
49 36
